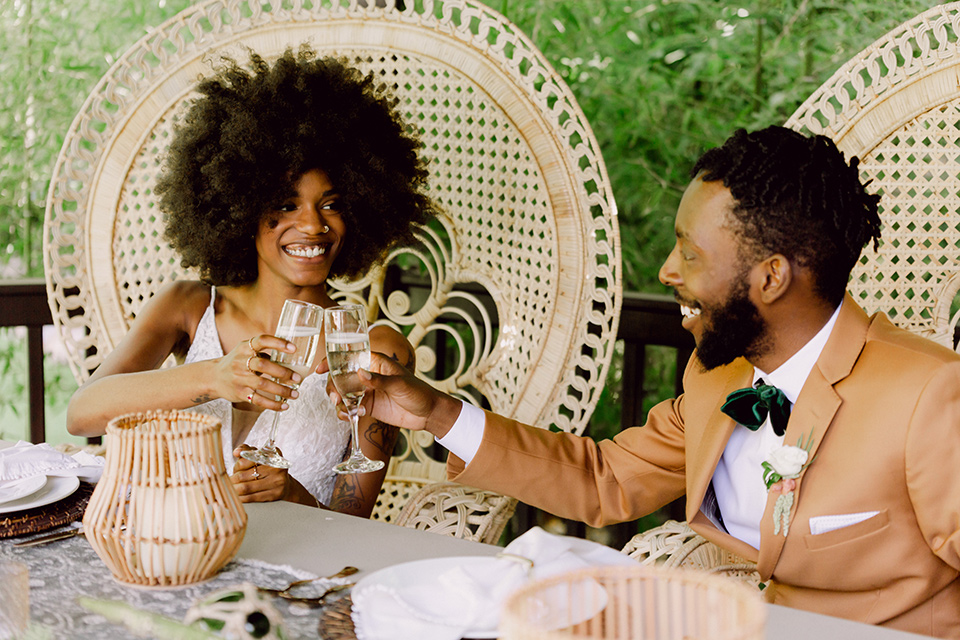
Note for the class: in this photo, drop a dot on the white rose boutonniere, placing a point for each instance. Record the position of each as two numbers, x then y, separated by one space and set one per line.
780 472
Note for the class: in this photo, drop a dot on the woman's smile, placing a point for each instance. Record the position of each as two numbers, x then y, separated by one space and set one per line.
302 250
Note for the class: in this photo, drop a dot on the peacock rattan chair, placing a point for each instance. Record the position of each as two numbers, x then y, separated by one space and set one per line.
521 274
896 106
675 544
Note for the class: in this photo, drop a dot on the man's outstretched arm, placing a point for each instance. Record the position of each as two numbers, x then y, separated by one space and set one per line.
399 398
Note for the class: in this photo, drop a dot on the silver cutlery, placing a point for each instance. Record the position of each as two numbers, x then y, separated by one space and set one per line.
286 592
315 601
50 537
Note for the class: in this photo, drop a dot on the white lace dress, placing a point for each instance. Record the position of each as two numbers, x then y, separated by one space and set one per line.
310 435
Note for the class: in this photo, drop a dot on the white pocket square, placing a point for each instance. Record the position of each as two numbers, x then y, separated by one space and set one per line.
825 524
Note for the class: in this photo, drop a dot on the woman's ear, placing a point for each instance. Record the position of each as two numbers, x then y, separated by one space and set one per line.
776 276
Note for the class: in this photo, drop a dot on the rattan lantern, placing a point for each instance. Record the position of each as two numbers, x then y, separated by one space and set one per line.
164 512
634 603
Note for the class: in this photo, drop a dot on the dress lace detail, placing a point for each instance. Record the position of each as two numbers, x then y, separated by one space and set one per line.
310 435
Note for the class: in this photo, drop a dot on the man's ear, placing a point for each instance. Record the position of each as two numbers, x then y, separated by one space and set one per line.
776 275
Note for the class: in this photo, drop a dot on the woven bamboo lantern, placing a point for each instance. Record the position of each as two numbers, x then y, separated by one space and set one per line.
164 512
634 603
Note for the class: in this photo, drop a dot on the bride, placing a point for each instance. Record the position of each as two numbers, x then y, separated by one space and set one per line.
280 176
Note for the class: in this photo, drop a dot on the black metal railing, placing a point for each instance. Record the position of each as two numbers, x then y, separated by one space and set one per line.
23 303
646 321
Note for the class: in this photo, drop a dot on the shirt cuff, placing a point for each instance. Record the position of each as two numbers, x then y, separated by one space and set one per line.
464 438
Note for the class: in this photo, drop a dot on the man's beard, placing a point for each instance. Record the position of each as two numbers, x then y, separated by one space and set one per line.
735 329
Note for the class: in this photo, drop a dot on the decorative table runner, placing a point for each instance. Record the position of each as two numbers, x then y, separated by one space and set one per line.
61 571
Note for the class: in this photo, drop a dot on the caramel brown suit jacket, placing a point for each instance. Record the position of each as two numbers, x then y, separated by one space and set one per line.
883 408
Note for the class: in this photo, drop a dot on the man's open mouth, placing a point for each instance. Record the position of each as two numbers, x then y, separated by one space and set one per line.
688 311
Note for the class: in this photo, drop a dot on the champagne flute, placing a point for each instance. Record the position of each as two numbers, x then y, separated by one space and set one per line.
301 324
348 350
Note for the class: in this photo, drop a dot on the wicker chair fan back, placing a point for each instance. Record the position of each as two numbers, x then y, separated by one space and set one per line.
521 271
528 215
896 106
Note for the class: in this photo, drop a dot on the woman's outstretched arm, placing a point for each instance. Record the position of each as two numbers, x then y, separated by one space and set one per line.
128 380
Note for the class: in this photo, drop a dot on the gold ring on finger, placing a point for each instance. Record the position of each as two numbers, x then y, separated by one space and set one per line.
250 342
248 364
256 472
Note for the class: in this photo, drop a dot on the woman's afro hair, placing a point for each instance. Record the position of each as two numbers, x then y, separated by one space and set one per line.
251 134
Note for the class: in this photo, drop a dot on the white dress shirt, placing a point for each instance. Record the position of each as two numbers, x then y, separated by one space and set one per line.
738 480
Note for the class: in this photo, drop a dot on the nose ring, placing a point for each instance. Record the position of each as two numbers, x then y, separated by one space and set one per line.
325 228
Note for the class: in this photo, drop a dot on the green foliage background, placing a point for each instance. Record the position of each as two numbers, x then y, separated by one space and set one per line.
660 81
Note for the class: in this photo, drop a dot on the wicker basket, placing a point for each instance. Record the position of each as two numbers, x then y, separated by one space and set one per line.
164 513
634 603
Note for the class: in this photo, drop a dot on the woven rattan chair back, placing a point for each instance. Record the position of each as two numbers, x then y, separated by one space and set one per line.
896 106
521 273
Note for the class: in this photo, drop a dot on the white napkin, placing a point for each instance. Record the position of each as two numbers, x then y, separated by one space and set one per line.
24 460
470 597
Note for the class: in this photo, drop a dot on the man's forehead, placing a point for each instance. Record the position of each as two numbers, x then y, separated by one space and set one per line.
705 206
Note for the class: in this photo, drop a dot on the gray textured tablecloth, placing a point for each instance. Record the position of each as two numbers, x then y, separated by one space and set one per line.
62 570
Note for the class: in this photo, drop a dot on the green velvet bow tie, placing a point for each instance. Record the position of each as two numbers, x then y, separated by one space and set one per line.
750 407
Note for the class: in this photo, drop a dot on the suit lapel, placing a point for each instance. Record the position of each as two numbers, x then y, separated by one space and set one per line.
813 415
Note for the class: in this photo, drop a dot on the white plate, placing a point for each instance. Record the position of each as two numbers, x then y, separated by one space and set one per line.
56 488
426 573
16 489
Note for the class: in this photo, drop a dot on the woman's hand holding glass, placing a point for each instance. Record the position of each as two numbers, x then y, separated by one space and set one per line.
258 483
247 375
301 324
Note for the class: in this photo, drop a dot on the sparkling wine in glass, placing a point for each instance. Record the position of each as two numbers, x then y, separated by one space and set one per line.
348 351
301 324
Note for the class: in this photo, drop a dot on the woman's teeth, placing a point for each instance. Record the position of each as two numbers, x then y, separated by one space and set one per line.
689 312
309 252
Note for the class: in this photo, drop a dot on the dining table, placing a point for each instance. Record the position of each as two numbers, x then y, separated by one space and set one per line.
284 542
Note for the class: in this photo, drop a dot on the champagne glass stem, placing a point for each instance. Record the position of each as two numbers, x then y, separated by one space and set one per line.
268 454
270 444
357 462
355 451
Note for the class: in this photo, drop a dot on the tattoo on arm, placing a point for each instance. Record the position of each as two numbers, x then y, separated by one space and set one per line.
408 359
382 436
203 398
347 495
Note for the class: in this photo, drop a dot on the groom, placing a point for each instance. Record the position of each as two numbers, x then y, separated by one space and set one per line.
793 396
